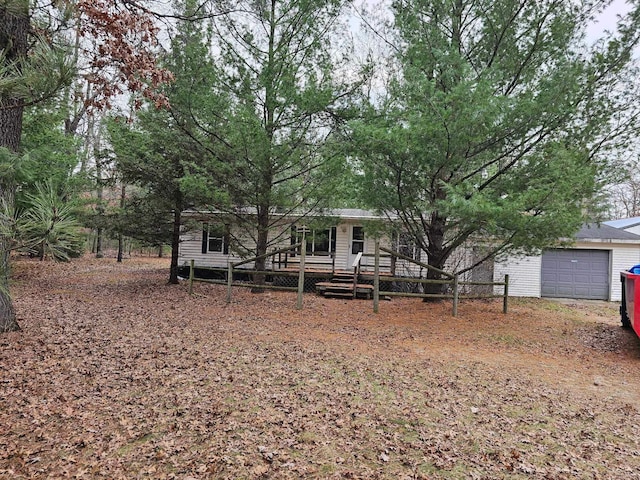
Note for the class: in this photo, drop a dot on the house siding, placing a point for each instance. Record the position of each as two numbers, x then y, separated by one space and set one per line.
191 248
525 271
622 258
342 245
524 275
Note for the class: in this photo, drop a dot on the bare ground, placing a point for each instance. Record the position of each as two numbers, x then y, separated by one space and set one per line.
118 375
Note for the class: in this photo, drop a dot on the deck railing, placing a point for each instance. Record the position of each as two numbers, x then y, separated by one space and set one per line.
452 280
290 258
356 272
232 268
449 279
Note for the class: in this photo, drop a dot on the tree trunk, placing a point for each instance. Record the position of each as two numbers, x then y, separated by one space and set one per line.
175 245
266 184
8 322
436 256
261 248
120 248
14 27
92 147
99 235
123 193
434 288
99 209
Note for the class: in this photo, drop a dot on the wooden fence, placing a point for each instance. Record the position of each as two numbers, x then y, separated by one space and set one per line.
452 280
232 269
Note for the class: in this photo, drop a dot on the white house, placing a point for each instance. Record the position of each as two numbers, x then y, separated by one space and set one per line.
331 247
589 269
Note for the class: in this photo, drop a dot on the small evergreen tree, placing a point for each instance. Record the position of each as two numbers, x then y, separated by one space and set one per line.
48 227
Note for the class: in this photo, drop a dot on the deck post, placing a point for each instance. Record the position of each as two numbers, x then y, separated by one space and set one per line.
455 295
376 277
229 281
303 254
192 269
355 282
505 300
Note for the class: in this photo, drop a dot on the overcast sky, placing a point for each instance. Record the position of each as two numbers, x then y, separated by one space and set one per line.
608 19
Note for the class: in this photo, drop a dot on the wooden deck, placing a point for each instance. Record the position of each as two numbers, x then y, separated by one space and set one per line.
337 284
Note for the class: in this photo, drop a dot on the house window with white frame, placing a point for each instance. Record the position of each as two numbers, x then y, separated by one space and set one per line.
407 246
319 242
215 238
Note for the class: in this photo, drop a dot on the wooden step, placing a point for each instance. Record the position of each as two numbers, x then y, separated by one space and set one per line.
348 296
342 278
332 286
336 289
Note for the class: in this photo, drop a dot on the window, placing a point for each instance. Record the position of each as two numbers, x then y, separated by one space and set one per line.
408 247
357 240
215 238
319 242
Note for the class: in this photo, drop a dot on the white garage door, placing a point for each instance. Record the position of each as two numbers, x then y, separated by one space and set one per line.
575 274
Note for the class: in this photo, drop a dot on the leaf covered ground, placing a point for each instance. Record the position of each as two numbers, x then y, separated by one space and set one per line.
118 375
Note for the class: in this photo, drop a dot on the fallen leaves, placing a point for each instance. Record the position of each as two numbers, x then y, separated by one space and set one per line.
118 375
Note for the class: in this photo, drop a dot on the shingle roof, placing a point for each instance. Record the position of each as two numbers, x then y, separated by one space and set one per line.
604 231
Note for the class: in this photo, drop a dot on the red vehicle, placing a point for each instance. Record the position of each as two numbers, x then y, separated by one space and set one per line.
630 307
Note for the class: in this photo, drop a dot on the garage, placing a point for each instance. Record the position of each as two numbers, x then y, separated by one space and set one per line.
575 273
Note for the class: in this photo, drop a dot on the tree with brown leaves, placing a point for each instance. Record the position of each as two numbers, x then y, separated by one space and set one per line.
35 64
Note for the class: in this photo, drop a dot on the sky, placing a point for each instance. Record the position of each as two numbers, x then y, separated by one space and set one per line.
608 19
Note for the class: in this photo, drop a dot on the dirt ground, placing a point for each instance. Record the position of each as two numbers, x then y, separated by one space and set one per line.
118 375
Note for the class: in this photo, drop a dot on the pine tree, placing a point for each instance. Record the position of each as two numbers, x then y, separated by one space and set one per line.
290 90
496 127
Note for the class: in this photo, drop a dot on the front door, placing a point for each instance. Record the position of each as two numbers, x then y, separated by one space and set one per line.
356 244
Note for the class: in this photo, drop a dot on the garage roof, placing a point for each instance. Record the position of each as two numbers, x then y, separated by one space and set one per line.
605 232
